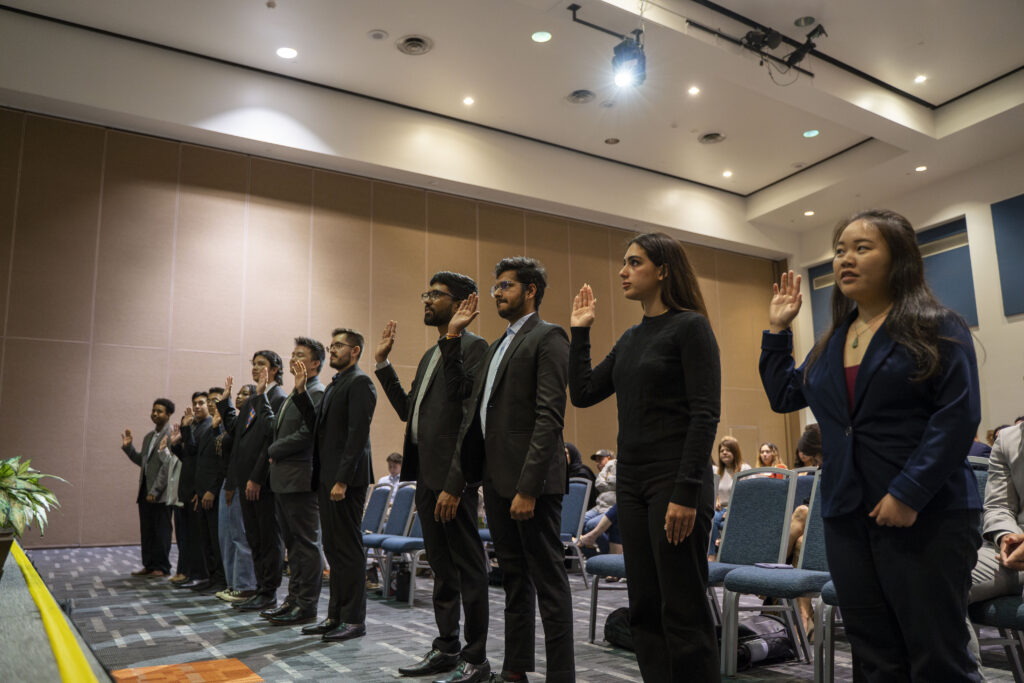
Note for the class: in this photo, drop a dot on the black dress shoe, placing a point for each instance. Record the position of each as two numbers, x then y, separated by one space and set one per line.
469 673
201 585
510 676
215 587
257 603
434 662
344 632
285 606
293 617
185 584
323 627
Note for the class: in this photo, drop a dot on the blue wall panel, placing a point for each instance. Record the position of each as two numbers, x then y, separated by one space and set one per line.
1008 226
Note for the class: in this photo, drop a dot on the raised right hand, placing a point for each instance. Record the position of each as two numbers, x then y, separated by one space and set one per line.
228 382
126 437
263 380
175 434
187 417
387 342
584 308
466 313
299 370
785 303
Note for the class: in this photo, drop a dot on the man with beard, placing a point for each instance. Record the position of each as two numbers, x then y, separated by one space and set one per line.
448 521
514 431
154 516
341 457
290 460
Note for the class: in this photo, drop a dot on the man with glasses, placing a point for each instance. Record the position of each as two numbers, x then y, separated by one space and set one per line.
448 519
513 430
341 464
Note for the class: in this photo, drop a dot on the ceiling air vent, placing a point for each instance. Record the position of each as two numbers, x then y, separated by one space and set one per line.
711 138
414 45
580 96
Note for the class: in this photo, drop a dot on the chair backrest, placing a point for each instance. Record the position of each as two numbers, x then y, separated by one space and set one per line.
376 505
400 517
804 483
981 476
417 530
812 552
977 462
757 520
574 507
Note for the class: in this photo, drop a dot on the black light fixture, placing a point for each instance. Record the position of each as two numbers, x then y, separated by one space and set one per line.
797 55
629 63
758 40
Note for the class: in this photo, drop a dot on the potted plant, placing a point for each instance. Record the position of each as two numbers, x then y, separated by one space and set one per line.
23 500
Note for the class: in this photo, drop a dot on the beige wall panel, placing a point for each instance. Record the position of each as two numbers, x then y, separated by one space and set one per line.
209 250
751 423
452 243
42 418
11 126
55 246
741 285
502 233
133 280
124 382
547 239
198 371
277 259
624 312
342 235
703 261
596 426
399 268
387 431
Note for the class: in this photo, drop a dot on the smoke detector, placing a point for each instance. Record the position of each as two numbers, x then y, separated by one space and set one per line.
414 45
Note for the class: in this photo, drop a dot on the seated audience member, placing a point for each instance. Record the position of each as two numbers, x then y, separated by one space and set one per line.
604 484
607 530
808 447
730 462
1001 558
394 474
768 456
995 432
979 449
576 468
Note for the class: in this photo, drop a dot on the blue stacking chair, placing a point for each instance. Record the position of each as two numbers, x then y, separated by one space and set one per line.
804 483
824 627
399 518
376 506
411 545
574 512
598 566
806 580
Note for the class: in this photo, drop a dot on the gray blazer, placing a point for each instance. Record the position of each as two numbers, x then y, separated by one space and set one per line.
289 457
149 462
1003 510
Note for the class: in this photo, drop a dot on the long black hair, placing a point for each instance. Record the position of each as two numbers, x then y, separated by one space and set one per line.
680 291
916 314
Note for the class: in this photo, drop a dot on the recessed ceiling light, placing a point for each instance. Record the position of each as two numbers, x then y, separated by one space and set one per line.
803 21
694 90
808 213
467 100
812 133
541 37
287 52
921 169
377 34
727 174
921 78
611 141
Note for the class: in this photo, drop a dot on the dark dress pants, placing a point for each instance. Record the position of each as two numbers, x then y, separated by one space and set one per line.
903 594
460 573
299 521
155 536
195 559
531 556
671 622
209 539
343 546
260 520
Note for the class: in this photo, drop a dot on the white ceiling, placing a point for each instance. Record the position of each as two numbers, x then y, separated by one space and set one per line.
483 49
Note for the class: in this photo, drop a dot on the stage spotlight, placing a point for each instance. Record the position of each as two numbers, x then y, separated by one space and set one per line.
759 40
629 64
797 55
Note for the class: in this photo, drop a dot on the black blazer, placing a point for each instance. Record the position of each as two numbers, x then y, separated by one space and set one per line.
341 429
291 443
428 462
244 442
209 466
523 452
187 451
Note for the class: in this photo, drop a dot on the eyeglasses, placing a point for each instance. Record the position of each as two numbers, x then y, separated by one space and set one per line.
503 286
337 345
433 295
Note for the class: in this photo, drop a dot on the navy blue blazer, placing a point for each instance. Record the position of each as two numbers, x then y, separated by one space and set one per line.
906 438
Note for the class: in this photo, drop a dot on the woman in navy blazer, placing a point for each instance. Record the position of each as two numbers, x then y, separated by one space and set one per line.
894 387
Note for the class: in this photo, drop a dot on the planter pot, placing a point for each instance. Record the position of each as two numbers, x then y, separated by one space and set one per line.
6 540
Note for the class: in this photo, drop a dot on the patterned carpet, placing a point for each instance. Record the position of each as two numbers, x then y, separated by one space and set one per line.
140 622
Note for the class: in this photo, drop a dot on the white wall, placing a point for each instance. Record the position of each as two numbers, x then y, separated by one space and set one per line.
999 340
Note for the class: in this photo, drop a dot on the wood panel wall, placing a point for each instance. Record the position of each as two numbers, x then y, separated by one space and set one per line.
133 267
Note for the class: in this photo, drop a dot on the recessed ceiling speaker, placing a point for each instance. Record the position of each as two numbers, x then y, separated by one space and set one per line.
711 138
414 45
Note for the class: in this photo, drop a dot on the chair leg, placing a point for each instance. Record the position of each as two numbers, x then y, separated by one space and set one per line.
583 564
716 613
797 626
818 647
730 622
828 637
593 607
385 583
413 562
1013 648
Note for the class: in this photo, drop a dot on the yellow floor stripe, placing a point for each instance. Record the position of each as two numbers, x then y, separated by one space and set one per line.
66 650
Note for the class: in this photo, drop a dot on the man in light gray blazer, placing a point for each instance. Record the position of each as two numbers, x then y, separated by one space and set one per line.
154 516
1000 567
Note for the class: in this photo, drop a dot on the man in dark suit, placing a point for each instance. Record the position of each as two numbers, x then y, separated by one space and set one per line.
341 458
195 423
249 440
209 477
450 535
514 429
290 460
154 516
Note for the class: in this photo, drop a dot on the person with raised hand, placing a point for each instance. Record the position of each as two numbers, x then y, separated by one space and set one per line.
893 383
666 377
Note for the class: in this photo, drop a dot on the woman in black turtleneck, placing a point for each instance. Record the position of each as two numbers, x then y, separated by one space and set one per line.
666 376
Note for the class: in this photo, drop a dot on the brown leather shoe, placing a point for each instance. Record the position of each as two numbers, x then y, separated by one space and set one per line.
156 572
140 572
